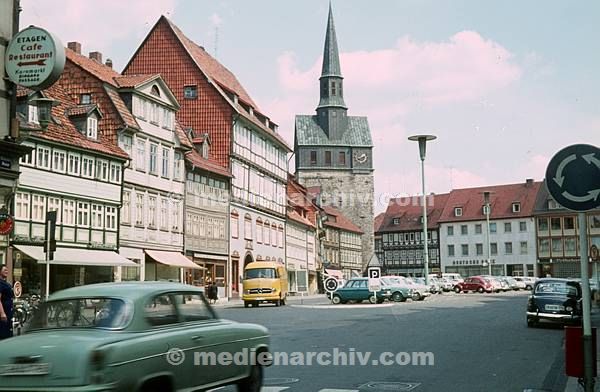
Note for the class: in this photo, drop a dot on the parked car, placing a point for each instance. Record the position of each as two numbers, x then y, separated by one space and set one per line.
555 300
420 291
474 283
357 289
453 276
497 285
529 281
400 290
434 286
521 285
121 336
447 284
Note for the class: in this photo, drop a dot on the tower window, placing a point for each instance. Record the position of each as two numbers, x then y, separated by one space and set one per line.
327 158
342 158
313 158
333 88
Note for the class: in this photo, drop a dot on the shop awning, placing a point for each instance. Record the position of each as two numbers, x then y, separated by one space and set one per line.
78 256
334 274
172 259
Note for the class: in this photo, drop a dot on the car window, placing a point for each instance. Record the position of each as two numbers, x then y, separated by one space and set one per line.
160 311
82 313
564 288
192 307
362 284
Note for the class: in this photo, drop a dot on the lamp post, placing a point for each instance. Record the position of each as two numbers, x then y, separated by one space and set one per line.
44 107
423 139
486 203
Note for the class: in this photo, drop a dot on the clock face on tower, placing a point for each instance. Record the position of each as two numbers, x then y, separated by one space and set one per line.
360 157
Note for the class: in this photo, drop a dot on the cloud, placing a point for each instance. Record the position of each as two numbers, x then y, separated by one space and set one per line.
75 20
393 85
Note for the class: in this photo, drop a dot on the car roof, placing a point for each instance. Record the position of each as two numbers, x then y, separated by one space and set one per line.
556 280
131 290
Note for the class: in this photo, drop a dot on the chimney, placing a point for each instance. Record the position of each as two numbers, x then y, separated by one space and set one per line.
529 182
109 63
75 47
251 110
235 99
97 56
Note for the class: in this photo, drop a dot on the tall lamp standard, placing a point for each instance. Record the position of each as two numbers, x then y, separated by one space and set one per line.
423 139
486 203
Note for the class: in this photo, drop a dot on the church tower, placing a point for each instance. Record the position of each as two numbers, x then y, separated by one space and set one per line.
335 151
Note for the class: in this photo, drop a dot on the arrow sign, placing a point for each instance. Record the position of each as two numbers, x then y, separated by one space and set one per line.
573 177
38 62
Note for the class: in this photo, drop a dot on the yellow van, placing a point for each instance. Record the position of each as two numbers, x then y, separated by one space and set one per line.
264 282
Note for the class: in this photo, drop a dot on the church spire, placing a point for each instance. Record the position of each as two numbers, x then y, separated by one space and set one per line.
331 57
331 112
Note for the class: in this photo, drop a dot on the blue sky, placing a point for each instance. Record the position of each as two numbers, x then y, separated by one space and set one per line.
503 84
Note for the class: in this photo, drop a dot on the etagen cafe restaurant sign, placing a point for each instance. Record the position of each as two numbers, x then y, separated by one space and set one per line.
35 58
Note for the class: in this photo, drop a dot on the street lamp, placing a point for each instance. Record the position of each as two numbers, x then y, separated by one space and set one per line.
44 107
486 203
423 139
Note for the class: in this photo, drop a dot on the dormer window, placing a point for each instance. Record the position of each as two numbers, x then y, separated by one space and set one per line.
32 114
205 150
92 128
458 211
190 92
396 221
85 99
516 207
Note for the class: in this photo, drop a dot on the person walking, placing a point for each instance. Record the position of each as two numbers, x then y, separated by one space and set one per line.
6 304
213 292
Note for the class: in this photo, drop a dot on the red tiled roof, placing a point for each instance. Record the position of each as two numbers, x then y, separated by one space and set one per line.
274 135
184 140
293 215
99 70
80 109
122 110
501 198
194 158
211 67
378 221
341 222
64 132
408 211
131 81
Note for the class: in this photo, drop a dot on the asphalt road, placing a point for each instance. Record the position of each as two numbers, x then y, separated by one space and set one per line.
479 342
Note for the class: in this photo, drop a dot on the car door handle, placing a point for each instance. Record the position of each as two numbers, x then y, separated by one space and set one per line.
197 337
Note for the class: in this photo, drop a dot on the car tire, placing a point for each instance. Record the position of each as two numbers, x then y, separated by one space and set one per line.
373 299
457 290
252 383
417 297
246 304
255 304
531 323
336 299
480 290
398 297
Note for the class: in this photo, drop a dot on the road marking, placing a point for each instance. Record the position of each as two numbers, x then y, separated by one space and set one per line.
353 306
338 390
273 389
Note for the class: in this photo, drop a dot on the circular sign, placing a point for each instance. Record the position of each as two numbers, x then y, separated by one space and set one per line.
594 253
573 177
331 284
18 289
6 224
34 58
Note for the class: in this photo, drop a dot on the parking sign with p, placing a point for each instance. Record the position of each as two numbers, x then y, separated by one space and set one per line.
374 272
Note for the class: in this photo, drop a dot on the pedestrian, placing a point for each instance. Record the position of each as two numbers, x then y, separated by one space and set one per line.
213 292
6 304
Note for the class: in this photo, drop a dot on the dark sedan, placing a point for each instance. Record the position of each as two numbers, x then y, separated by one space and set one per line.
555 300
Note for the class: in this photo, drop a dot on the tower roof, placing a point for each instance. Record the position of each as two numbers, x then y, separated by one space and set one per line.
331 56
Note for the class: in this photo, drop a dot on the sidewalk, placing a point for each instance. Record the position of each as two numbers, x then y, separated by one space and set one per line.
295 299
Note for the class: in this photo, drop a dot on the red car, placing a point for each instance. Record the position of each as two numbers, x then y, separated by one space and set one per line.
474 283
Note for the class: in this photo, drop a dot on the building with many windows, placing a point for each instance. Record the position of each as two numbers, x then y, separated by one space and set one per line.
75 170
207 217
512 242
301 239
139 116
399 238
243 139
342 245
557 235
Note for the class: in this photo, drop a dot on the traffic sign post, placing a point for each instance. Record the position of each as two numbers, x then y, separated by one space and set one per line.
374 282
573 180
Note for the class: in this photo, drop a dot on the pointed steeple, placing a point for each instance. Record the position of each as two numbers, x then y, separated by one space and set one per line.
331 56
331 112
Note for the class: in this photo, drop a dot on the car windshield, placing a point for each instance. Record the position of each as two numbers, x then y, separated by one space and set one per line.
258 273
82 313
563 288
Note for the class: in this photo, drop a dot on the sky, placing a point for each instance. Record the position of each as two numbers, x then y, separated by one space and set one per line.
504 85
